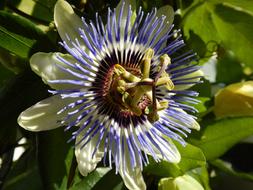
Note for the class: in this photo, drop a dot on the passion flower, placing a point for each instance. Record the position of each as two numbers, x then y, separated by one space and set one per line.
121 86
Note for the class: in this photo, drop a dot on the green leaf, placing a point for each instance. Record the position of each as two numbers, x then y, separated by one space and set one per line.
202 107
204 88
20 36
229 69
244 6
228 22
198 25
89 182
218 137
72 174
39 9
202 175
191 157
235 29
227 168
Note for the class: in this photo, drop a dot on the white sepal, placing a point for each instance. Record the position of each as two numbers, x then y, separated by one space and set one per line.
43 115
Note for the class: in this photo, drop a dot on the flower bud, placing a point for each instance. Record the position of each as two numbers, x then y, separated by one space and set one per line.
185 182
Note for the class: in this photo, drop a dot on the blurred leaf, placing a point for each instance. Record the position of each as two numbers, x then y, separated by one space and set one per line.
2 4
5 74
53 150
6 158
229 69
235 100
20 36
24 174
149 4
8 134
235 28
191 157
39 9
13 99
15 96
218 137
227 168
11 62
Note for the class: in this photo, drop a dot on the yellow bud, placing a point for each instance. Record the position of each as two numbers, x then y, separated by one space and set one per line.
234 100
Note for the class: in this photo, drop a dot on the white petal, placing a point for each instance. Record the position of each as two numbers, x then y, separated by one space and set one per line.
193 123
45 65
67 22
87 163
171 154
194 74
133 179
43 115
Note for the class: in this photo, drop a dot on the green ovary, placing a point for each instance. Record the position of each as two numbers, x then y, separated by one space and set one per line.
134 92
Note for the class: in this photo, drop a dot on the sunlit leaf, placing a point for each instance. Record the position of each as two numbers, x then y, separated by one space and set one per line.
244 6
91 180
235 29
198 25
20 36
218 137
39 9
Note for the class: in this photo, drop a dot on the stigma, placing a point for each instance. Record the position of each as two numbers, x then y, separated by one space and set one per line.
133 90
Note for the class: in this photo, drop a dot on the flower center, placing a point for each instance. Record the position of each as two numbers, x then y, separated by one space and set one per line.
133 91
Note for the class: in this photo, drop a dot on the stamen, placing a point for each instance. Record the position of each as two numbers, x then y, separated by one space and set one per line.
137 90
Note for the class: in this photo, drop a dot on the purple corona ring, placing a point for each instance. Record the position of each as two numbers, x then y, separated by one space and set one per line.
121 87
